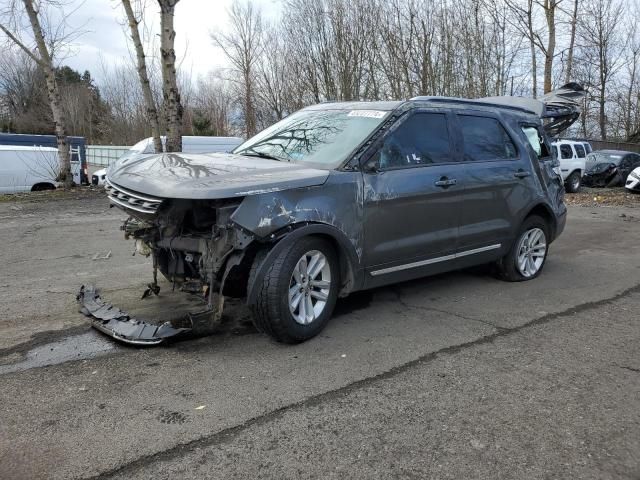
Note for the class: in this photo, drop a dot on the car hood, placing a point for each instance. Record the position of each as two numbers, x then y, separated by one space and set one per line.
209 176
600 168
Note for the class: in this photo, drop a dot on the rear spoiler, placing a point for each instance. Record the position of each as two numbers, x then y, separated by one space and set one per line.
558 109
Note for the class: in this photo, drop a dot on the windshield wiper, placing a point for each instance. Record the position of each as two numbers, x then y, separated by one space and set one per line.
254 153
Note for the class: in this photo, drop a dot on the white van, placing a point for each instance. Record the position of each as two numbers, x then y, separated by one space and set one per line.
571 155
189 145
27 169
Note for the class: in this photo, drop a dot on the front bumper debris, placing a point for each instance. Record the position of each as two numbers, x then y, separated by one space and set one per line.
119 324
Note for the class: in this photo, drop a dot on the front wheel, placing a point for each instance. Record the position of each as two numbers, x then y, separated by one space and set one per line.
527 255
297 295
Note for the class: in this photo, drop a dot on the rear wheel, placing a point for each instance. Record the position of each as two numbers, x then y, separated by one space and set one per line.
297 295
527 255
39 187
573 182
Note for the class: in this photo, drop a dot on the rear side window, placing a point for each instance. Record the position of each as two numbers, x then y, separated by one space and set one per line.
423 139
565 151
485 139
580 150
587 147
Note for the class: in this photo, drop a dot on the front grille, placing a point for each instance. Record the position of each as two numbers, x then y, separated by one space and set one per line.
128 200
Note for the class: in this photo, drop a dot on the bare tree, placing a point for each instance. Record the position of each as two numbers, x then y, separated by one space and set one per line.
24 95
572 41
212 106
600 44
170 92
243 46
45 43
134 20
549 48
523 19
127 121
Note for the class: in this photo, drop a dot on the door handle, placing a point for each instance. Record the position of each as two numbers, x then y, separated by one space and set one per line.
445 182
521 174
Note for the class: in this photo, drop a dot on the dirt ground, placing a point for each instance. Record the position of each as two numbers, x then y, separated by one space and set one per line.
455 376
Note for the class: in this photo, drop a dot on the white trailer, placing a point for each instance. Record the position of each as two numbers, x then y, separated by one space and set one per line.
27 169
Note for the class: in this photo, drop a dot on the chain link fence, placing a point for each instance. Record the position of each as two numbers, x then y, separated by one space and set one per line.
104 155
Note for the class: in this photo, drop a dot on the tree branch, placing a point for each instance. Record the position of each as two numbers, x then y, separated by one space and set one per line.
22 46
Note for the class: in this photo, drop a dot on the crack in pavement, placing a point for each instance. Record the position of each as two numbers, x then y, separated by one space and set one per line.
406 304
229 433
631 369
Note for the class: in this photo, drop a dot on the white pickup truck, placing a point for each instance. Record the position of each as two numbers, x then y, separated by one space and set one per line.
571 155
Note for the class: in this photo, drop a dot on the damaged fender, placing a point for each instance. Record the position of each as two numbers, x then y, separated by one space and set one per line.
353 272
283 217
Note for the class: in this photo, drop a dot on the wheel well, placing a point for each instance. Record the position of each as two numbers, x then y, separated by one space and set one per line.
347 275
240 275
38 187
544 212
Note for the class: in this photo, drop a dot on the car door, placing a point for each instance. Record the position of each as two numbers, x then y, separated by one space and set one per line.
499 183
628 164
411 199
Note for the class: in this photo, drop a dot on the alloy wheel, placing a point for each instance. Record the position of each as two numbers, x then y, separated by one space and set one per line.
309 287
531 252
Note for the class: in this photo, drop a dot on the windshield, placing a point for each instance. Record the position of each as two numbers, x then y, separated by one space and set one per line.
322 137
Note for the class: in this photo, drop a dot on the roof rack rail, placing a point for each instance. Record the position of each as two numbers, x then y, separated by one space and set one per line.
472 101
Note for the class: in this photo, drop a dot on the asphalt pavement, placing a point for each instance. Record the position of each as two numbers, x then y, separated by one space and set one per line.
455 376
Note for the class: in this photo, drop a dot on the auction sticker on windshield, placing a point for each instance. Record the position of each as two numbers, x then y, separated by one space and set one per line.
367 113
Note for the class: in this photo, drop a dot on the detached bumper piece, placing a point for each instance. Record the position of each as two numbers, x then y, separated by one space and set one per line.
119 325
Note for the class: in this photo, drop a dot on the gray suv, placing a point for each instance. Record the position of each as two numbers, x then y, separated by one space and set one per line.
341 197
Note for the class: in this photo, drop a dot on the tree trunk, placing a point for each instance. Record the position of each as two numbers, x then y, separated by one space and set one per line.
172 106
572 41
550 13
532 45
602 120
249 110
64 176
150 104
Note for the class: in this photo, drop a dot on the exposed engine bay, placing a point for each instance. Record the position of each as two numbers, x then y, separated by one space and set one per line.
194 245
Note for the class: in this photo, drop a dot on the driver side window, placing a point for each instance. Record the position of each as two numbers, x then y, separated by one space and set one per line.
423 139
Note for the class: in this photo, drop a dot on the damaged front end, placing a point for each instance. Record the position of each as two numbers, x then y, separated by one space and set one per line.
194 245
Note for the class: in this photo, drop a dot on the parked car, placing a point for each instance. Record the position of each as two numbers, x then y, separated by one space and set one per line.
190 144
27 169
341 197
609 168
633 181
571 155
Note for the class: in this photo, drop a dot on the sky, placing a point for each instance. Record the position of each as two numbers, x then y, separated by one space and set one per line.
106 40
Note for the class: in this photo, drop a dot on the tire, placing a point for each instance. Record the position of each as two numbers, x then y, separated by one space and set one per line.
272 311
508 266
573 182
40 187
